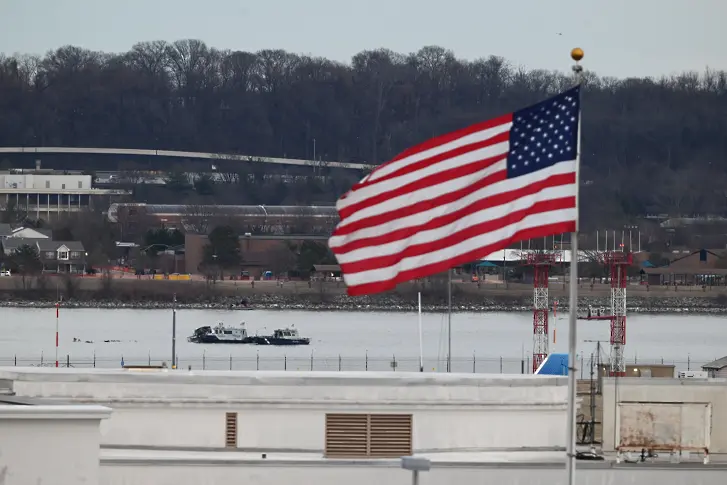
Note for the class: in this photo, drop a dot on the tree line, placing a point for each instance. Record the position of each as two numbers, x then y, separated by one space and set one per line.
649 145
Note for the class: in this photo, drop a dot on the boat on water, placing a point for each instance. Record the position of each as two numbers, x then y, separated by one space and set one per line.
221 334
281 336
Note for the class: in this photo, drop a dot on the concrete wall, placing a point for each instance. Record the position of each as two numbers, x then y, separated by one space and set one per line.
712 391
50 444
286 410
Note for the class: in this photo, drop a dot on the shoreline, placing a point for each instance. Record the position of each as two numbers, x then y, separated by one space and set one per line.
133 293
386 303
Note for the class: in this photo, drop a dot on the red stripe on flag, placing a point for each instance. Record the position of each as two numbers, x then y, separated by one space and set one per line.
482 204
418 207
450 137
456 238
428 162
441 266
422 183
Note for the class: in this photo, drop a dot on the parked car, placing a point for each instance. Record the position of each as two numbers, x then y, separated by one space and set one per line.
5 272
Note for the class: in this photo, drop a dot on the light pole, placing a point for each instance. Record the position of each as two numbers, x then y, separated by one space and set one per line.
416 465
630 227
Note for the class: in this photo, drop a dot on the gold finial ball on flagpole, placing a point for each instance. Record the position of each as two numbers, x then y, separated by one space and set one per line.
576 54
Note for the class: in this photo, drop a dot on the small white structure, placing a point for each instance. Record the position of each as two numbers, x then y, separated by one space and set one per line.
42 444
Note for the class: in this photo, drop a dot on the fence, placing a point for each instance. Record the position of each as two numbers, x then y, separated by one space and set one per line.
473 364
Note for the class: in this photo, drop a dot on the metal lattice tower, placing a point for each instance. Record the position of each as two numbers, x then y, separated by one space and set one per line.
541 263
618 263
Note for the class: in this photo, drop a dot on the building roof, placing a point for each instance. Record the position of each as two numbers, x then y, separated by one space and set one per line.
13 243
554 365
48 245
718 364
327 268
45 232
239 379
476 459
561 255
247 210
686 271
263 211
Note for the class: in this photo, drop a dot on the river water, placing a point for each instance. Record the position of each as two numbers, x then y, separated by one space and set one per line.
485 342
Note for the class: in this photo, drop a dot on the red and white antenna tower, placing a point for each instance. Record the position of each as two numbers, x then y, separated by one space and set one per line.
541 263
618 262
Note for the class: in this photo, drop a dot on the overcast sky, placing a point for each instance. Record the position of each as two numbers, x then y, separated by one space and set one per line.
620 37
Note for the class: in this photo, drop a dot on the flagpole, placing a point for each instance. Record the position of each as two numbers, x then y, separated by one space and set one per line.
576 55
421 347
449 320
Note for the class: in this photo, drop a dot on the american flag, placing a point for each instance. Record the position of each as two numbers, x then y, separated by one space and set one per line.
459 197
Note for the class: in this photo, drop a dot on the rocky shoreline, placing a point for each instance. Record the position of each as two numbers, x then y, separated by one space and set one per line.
392 303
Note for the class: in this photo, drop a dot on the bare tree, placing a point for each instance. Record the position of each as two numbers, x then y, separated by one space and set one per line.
188 96
224 166
13 213
229 177
282 259
132 173
199 218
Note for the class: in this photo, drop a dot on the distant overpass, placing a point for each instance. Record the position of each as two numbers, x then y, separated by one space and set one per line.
178 154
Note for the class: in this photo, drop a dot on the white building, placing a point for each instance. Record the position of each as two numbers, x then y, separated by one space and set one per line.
35 181
323 428
49 444
44 193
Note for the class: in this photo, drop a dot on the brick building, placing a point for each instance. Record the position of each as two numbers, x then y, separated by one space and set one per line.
135 218
260 253
701 267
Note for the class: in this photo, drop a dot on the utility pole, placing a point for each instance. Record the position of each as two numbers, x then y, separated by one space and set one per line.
174 331
595 367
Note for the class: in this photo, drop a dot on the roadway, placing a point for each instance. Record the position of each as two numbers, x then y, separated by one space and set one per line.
182 154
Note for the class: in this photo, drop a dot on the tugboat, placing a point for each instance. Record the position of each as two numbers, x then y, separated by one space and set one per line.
221 335
281 336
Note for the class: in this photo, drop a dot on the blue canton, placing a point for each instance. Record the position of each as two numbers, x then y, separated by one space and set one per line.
544 134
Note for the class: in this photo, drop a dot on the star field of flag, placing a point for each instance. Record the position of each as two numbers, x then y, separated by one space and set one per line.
544 134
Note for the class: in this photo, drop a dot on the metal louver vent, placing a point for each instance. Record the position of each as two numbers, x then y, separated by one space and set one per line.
346 435
230 430
368 435
390 435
